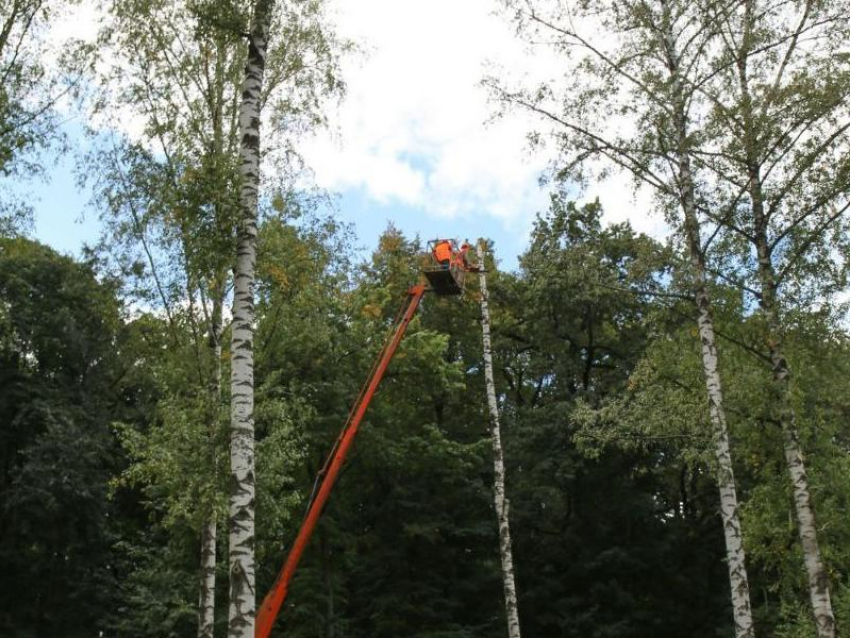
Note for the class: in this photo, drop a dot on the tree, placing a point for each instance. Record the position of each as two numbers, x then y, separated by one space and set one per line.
64 382
606 531
778 148
167 235
192 215
180 75
597 371
241 527
242 569
501 502
412 510
647 83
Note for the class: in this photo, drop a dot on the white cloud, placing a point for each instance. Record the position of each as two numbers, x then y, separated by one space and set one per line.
621 202
78 21
412 128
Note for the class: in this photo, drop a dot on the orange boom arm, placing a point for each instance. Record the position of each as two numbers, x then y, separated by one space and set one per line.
270 607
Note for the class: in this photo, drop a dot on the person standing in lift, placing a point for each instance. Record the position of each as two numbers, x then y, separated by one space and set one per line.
443 253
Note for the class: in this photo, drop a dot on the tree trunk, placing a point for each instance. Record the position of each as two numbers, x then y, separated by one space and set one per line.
206 597
501 501
242 607
818 578
735 559
206 602
819 590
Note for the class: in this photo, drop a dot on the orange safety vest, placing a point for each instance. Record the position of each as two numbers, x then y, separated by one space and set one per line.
443 251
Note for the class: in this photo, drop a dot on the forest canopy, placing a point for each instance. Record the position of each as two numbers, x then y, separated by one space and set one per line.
624 435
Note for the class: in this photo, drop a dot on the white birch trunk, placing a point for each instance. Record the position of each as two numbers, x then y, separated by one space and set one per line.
735 559
242 608
206 596
733 536
818 579
819 591
206 602
501 501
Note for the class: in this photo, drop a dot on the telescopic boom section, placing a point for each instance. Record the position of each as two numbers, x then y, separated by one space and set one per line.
268 611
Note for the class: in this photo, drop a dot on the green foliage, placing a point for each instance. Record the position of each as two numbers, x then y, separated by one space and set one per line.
113 435
155 597
817 348
662 410
63 382
112 444
610 519
171 462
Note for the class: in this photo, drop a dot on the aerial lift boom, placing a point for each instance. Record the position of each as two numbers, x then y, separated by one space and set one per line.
267 613
443 280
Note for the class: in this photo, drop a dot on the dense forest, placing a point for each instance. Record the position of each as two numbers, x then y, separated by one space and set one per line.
673 415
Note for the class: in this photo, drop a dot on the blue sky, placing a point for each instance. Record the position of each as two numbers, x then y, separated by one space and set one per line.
371 218
65 219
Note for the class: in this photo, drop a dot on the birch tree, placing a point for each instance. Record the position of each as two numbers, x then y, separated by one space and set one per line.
241 528
637 112
501 500
778 151
179 80
179 76
155 229
181 71
304 69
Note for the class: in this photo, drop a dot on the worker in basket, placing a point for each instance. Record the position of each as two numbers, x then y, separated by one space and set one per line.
463 256
443 253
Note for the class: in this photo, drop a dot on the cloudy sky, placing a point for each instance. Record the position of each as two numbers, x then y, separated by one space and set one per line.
411 143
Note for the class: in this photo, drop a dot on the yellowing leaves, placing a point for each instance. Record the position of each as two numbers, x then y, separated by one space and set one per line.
391 242
371 311
279 276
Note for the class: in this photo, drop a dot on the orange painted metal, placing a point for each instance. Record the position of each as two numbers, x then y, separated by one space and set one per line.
268 611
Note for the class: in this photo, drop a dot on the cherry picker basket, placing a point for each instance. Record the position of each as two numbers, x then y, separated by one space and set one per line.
444 279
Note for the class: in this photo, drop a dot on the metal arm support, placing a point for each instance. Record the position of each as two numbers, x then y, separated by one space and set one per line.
268 611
